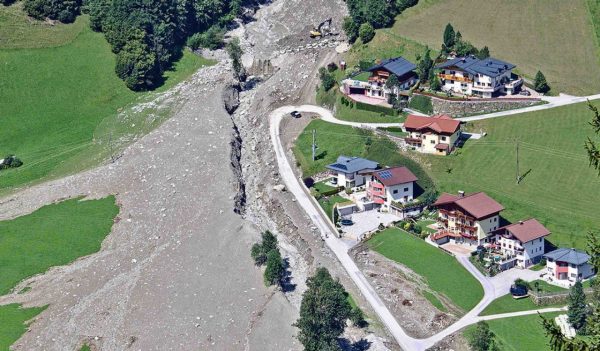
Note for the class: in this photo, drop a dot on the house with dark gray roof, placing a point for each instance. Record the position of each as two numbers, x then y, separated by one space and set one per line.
568 265
486 78
373 86
350 172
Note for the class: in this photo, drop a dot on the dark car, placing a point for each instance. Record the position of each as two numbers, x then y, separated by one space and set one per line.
518 291
295 114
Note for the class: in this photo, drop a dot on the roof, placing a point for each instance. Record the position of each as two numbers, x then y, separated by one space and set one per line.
490 66
442 146
572 256
439 123
394 176
398 66
479 205
527 230
347 164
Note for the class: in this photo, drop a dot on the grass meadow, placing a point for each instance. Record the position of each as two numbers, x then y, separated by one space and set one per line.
558 188
442 272
13 319
58 103
554 36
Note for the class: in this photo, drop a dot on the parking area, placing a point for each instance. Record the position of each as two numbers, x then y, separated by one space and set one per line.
459 249
367 221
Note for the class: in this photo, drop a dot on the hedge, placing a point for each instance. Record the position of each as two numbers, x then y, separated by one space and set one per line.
421 103
332 192
376 108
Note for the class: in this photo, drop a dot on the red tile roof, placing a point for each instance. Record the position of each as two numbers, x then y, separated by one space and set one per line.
526 230
440 123
394 176
442 146
479 205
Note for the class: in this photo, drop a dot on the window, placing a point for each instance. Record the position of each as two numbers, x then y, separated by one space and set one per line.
405 189
495 219
443 138
452 82
395 191
432 141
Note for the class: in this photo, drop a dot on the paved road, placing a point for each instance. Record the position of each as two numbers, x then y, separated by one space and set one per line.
327 116
553 102
340 249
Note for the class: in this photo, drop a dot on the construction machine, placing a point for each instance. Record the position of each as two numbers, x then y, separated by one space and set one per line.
323 29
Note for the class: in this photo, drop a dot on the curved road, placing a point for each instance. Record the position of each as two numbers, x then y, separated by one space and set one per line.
293 184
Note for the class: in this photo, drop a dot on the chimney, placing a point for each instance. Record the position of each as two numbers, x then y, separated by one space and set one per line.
461 193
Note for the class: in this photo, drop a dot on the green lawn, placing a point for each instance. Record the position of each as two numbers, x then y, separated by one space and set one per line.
347 113
334 140
54 235
323 186
362 76
59 106
434 301
560 189
441 271
523 333
395 131
328 202
13 319
534 34
507 303
18 31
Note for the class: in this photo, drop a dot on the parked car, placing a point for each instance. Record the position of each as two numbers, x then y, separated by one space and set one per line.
525 93
295 114
518 291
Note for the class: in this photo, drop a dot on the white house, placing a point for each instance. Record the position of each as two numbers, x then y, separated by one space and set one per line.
468 219
524 241
433 135
374 86
486 78
351 172
568 265
391 185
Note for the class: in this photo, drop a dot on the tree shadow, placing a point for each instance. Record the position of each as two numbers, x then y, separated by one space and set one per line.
360 345
321 155
286 282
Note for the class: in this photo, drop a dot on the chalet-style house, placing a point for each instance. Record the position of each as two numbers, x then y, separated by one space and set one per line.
469 219
522 242
351 172
433 135
391 185
485 78
374 87
568 265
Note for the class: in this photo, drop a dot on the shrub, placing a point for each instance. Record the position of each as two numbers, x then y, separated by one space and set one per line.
357 317
366 32
64 11
540 84
327 79
275 270
521 282
351 29
421 103
309 182
260 251
211 39
332 67
11 161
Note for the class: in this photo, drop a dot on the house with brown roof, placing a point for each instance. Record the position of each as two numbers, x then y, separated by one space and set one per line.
522 242
433 135
469 219
391 186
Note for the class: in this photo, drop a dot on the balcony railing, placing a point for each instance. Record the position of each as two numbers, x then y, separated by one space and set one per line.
453 77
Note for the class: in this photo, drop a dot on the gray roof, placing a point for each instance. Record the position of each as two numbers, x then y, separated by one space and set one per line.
398 66
572 256
347 164
490 66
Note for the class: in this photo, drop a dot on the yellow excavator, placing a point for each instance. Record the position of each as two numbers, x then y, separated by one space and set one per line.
323 29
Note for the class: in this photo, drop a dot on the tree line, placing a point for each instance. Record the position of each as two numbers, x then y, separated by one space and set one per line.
367 15
147 35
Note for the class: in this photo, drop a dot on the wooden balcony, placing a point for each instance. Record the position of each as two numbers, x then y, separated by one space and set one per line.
453 77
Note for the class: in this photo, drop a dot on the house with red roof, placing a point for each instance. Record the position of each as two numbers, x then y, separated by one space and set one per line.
469 219
522 242
433 135
390 186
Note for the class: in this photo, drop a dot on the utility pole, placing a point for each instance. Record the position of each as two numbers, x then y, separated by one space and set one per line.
314 145
518 174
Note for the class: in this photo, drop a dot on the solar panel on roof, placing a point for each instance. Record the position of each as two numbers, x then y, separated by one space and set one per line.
385 174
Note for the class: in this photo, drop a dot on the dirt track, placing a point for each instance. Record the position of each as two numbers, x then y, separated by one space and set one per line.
175 273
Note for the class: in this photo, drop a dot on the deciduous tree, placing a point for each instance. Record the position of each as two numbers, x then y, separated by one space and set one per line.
482 338
366 32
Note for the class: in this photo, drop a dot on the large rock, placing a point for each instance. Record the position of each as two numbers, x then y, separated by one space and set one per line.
231 97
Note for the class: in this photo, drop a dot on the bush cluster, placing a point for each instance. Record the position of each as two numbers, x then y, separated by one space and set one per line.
267 253
11 161
367 15
61 10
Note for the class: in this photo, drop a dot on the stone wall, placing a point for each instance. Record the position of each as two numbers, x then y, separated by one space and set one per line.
542 299
463 108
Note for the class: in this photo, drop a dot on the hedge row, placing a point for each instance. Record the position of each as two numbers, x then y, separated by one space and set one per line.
376 108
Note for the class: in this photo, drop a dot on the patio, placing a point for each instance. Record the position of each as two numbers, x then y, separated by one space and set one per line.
368 100
367 221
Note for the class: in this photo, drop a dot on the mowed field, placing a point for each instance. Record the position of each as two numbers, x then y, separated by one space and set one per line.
558 188
52 100
554 36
